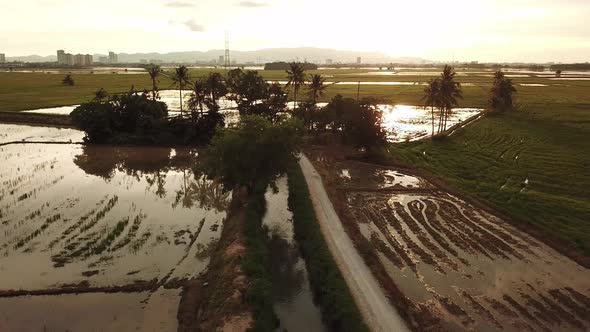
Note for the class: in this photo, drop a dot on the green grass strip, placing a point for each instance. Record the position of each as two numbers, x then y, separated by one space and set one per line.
339 310
256 266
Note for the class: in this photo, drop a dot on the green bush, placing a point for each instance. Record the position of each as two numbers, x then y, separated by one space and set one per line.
339 310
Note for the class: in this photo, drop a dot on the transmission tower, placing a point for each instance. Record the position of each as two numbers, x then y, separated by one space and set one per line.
227 60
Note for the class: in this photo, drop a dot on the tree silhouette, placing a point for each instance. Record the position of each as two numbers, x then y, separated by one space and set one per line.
68 80
154 71
450 92
197 97
181 79
502 93
100 95
431 98
296 78
216 88
317 87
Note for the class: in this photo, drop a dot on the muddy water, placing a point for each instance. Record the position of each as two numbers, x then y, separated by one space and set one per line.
293 297
91 312
18 133
103 217
469 269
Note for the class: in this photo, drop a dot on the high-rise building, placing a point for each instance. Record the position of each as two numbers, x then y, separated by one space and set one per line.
61 57
79 59
88 60
68 59
358 60
113 58
221 60
103 59
2 58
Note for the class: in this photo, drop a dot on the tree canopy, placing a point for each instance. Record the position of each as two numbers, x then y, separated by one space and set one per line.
254 154
502 93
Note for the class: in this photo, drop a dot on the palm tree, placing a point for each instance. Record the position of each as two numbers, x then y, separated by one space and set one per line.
317 87
432 98
154 71
450 91
296 78
216 88
198 96
181 78
502 93
100 94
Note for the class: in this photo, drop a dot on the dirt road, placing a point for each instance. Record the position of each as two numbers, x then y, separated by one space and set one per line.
370 297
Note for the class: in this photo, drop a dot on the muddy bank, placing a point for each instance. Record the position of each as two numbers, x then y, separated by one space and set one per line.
447 263
53 120
216 301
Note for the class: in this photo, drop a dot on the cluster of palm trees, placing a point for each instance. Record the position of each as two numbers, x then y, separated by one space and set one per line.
204 91
296 79
442 93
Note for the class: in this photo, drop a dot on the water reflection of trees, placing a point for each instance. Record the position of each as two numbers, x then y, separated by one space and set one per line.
199 189
287 272
153 164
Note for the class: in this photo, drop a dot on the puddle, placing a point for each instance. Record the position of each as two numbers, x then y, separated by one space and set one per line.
293 297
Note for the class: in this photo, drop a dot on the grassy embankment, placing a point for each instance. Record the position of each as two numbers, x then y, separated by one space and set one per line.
22 91
339 310
256 267
532 165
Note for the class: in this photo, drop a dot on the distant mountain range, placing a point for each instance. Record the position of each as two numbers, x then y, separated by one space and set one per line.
310 54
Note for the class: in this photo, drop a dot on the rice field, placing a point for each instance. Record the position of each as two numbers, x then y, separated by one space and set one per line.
460 267
84 225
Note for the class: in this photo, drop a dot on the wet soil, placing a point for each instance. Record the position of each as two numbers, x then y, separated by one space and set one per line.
457 266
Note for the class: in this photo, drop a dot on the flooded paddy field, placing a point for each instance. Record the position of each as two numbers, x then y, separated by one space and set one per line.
293 297
104 228
402 122
20 133
460 267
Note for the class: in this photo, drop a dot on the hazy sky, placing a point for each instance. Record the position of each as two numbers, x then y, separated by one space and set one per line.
484 30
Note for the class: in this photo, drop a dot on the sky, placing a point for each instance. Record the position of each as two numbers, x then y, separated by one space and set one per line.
464 30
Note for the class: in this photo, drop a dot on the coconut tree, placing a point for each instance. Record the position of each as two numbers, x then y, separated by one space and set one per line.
431 98
502 93
295 78
198 96
317 87
450 92
215 88
181 78
154 71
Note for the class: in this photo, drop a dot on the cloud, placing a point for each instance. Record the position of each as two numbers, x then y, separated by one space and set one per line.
252 4
194 26
179 4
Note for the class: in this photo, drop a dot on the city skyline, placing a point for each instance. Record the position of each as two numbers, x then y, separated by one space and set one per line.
487 30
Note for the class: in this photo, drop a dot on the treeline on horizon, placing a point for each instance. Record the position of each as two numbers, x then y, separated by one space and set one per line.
281 65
